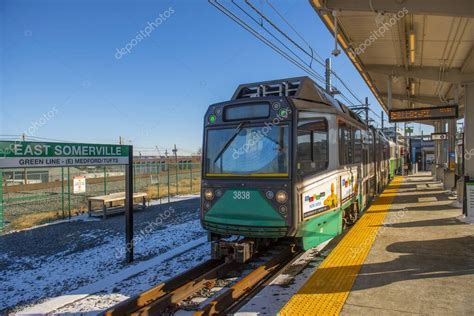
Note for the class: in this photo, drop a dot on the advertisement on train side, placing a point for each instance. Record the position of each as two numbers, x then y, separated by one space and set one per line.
348 186
320 199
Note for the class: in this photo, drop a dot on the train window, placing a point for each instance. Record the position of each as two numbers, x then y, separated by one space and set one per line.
357 146
320 145
252 152
345 144
304 149
312 148
371 146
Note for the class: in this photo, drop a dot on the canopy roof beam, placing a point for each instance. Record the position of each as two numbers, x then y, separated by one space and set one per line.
453 75
416 99
463 8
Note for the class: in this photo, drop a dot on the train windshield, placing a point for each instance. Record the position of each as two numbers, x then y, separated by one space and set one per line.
248 151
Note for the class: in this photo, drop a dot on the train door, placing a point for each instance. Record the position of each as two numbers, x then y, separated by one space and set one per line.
346 159
378 164
371 157
365 167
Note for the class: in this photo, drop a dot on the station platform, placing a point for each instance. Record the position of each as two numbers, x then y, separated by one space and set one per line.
409 254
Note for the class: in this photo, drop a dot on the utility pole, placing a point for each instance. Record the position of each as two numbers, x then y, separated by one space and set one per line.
328 76
175 152
367 110
120 140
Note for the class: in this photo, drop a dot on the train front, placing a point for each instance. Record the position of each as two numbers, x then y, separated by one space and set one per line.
246 169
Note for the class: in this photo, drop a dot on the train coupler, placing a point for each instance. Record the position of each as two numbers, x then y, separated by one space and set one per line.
238 251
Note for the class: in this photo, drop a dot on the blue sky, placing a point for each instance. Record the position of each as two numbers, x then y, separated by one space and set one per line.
60 56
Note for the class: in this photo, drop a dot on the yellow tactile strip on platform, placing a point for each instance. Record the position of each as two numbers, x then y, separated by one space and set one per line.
325 292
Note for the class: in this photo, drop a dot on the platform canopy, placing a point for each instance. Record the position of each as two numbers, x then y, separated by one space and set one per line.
419 52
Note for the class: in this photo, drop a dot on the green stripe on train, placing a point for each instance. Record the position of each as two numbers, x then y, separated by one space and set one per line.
254 211
320 228
393 167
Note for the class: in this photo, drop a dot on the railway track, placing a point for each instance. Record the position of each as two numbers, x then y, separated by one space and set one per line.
167 297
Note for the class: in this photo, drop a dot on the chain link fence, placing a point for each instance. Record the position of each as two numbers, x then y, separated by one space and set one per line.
30 197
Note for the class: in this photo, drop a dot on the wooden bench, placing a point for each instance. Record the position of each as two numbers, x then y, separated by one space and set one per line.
113 197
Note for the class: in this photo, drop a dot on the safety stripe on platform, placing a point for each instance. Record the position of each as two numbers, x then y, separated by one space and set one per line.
326 291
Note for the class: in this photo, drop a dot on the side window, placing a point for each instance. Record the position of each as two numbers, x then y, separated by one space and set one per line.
303 151
312 149
320 145
358 146
345 144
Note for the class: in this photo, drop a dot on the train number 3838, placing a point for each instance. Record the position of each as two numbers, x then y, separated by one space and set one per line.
241 195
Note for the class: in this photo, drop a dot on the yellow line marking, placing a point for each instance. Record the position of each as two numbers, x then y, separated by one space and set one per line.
326 291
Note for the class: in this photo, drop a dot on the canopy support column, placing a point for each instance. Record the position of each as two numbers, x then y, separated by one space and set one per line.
468 145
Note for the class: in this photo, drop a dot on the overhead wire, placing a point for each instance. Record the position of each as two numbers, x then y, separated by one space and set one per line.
248 28
262 38
309 54
320 77
285 51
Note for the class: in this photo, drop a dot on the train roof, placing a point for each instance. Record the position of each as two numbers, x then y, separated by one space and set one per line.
301 88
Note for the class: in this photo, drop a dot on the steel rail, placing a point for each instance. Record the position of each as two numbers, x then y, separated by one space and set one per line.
245 286
143 299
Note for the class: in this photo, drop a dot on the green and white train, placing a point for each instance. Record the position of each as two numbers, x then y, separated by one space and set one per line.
284 159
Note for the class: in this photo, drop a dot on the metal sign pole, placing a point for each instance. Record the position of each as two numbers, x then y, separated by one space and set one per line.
69 192
62 191
129 207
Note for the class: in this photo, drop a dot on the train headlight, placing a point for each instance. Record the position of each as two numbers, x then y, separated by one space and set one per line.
208 194
269 195
218 193
281 197
212 118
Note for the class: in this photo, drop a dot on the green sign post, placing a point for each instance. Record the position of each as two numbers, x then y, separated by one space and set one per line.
21 154
2 223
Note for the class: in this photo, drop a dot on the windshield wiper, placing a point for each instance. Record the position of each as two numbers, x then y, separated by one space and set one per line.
231 139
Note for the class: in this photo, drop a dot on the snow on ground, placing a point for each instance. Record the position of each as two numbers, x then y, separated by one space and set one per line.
111 295
36 277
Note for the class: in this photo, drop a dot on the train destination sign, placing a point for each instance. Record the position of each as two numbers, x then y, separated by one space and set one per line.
15 154
423 114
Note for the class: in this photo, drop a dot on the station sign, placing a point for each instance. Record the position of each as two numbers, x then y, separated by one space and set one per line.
439 136
423 114
19 154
